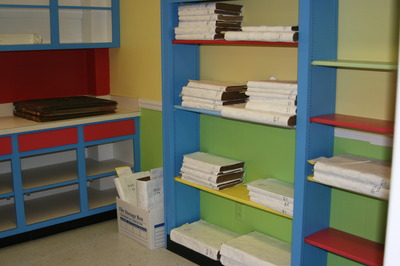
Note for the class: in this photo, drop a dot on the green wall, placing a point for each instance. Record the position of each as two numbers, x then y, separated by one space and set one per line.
150 139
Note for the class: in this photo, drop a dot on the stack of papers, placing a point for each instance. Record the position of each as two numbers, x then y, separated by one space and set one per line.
255 249
265 33
212 171
270 102
355 173
202 237
207 21
212 95
272 193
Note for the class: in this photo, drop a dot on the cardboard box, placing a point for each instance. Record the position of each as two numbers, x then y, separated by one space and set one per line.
144 226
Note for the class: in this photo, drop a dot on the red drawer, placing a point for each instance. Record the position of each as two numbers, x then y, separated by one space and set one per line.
48 139
109 130
5 145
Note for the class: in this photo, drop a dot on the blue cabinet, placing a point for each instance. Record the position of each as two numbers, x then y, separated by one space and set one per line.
63 172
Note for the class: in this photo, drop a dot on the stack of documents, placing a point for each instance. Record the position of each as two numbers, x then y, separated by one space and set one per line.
271 102
265 33
272 193
202 237
207 21
212 171
355 173
255 249
212 95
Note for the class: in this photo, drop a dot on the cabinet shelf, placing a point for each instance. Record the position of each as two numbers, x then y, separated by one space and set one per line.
8 220
375 65
51 207
6 183
97 198
49 175
348 245
94 167
225 42
355 122
237 193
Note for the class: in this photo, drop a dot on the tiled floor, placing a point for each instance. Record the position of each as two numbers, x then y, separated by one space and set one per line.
98 244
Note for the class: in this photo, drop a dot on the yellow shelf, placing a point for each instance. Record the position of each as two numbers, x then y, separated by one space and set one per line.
237 193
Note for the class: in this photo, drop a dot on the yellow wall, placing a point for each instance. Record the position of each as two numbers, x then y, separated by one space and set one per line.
364 28
136 66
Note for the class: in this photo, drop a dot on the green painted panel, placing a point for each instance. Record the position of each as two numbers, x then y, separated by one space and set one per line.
267 152
150 139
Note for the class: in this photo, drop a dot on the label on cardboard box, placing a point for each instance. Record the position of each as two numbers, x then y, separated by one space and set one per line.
145 226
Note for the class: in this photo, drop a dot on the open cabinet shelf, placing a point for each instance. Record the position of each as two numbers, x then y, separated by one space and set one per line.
347 245
237 193
356 64
355 122
225 42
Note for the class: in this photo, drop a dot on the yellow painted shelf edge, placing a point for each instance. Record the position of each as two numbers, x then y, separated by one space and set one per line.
237 193
356 64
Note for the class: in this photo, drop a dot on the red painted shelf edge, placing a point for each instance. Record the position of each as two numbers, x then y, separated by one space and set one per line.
234 42
355 122
347 245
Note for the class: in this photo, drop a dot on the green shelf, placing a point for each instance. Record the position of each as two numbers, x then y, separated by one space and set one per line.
377 65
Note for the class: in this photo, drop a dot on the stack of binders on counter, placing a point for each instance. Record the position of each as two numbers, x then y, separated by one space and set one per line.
355 173
272 193
212 95
207 21
212 171
272 102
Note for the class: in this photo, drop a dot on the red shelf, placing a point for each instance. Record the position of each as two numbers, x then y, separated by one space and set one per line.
234 42
356 122
350 246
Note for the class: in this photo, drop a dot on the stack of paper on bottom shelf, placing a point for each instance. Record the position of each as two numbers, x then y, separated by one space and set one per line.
355 173
212 171
212 94
272 193
265 33
255 249
202 237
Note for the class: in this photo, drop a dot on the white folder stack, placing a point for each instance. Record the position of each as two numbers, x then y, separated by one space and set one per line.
355 173
212 171
272 193
207 21
255 249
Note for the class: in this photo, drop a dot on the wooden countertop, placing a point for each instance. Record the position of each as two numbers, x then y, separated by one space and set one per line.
13 124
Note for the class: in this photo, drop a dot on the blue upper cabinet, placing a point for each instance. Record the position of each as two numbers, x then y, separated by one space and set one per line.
58 24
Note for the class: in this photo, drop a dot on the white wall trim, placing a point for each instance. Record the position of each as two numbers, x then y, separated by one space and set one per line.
150 104
374 139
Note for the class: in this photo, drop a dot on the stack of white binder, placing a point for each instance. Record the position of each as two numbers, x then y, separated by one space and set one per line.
272 193
202 237
255 249
212 95
271 102
207 21
212 171
355 173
